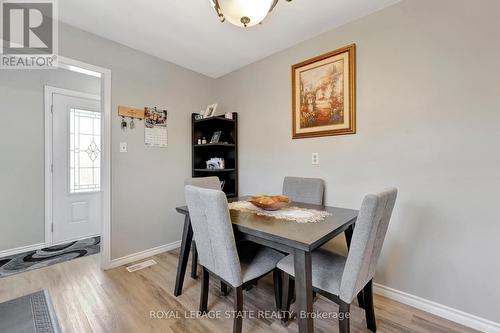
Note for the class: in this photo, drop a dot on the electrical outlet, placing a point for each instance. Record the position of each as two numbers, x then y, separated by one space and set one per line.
315 158
123 147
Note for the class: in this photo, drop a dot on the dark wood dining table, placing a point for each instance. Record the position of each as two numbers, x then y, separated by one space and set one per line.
287 236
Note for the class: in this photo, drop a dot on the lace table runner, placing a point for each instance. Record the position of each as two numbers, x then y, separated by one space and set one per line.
297 214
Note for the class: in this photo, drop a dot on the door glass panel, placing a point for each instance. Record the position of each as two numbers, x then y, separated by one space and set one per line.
85 151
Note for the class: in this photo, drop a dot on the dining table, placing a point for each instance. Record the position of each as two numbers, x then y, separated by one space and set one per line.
299 239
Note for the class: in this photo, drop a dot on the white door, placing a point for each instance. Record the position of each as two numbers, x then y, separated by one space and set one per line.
76 171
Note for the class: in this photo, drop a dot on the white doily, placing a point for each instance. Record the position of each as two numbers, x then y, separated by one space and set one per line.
297 214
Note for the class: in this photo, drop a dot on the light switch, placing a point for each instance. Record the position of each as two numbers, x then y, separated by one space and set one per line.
315 158
123 147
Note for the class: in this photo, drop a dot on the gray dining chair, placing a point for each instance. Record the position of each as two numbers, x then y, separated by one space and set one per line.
210 183
307 190
237 264
340 278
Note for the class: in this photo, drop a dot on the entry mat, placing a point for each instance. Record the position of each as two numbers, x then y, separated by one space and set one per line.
32 313
30 260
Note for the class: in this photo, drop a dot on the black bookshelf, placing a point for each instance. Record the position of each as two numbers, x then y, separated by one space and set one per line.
226 148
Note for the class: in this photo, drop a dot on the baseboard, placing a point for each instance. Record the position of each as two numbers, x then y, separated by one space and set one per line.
143 254
437 309
17 250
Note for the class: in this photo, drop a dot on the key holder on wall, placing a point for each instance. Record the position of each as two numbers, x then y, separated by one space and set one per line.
132 113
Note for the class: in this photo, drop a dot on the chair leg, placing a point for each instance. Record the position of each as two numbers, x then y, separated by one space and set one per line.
288 289
344 317
194 261
238 309
204 290
223 288
361 299
278 289
369 308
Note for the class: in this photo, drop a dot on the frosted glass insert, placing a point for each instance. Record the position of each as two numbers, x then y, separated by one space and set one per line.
85 151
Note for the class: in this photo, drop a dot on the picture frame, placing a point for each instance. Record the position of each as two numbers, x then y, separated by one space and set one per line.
324 94
216 137
210 111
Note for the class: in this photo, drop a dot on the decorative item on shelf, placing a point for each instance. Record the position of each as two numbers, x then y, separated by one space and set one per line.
216 163
243 13
324 94
228 115
199 141
199 116
216 137
222 183
210 111
203 141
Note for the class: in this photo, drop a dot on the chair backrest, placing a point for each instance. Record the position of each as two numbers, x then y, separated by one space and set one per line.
205 182
366 243
307 190
213 233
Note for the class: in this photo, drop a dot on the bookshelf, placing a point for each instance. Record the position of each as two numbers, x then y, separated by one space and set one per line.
226 148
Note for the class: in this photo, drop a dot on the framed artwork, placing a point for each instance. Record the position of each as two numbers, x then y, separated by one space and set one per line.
324 94
210 111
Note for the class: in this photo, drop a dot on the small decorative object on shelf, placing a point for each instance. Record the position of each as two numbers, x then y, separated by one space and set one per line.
199 116
228 115
216 163
217 152
210 111
216 137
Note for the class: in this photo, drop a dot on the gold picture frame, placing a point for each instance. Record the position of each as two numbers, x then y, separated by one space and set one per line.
324 94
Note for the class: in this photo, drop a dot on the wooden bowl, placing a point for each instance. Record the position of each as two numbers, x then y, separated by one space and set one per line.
267 202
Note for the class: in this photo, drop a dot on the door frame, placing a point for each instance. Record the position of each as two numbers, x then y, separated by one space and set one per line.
105 97
49 91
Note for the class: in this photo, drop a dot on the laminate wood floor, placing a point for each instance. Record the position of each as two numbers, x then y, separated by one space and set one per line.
87 299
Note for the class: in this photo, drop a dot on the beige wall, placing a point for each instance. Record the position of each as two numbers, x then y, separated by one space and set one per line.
428 123
147 183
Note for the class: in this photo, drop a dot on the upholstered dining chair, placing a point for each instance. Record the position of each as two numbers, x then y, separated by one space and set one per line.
204 182
235 263
307 190
340 278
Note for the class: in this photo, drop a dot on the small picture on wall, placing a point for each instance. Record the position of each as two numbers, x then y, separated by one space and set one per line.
210 111
323 95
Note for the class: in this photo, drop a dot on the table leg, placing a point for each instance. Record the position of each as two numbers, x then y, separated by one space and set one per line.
303 290
348 237
187 237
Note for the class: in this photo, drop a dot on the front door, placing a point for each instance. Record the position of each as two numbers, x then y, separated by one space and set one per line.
76 166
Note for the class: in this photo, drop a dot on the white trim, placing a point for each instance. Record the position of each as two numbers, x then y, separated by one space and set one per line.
49 92
18 250
105 74
144 254
437 309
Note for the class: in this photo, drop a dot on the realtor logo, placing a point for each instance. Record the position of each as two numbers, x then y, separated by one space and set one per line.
29 34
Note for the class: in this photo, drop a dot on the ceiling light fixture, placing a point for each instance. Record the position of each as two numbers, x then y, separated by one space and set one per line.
244 13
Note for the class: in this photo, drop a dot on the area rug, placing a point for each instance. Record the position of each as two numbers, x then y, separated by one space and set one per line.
32 313
48 256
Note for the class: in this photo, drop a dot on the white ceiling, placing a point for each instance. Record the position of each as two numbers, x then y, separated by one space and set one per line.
188 32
